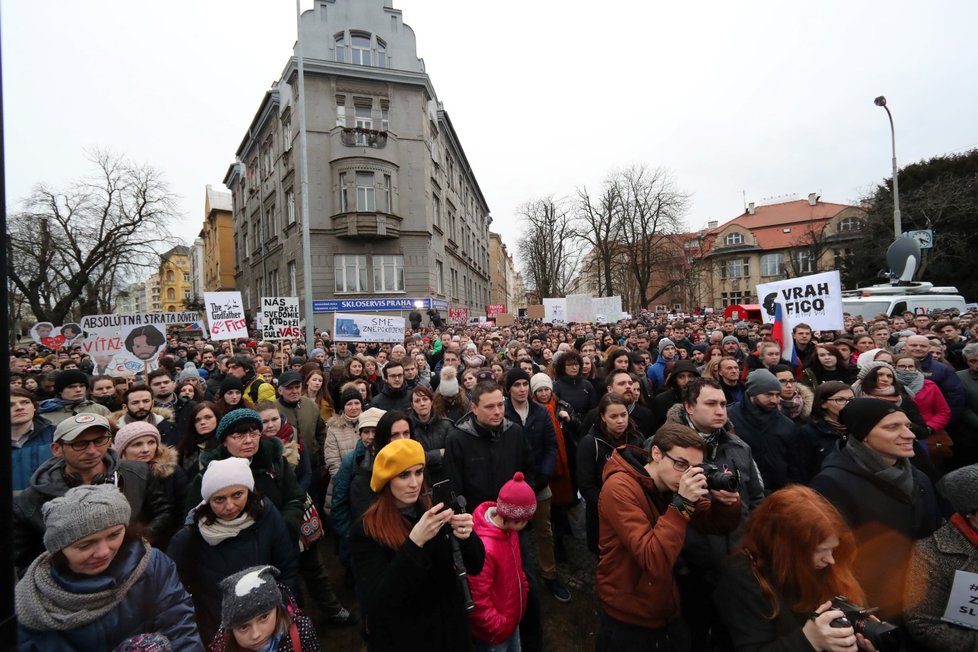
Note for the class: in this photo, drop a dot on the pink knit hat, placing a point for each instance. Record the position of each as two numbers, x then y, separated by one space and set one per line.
517 501
133 431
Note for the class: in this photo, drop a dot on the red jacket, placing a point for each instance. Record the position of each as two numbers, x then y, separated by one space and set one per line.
933 406
641 538
499 591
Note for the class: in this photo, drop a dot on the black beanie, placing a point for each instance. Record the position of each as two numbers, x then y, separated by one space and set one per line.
231 383
69 377
515 374
348 395
862 415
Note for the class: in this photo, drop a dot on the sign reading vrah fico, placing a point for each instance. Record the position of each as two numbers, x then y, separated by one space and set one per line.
815 300
225 315
280 318
350 327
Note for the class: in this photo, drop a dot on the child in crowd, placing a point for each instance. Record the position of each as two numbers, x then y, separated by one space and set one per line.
500 590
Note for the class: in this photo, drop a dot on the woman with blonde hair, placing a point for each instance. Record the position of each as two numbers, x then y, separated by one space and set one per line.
796 555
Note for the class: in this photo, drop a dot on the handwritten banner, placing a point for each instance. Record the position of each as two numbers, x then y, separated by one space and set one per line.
279 318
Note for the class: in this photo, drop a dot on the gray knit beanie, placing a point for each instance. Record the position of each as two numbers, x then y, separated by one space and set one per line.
664 342
731 338
249 593
865 369
762 381
189 371
81 512
960 487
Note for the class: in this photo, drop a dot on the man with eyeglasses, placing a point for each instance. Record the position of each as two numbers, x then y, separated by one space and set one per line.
771 435
796 398
393 396
82 455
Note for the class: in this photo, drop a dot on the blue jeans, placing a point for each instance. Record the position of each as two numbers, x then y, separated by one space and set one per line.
512 644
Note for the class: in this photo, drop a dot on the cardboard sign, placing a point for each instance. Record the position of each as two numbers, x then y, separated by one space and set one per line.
350 327
815 300
962 604
535 312
279 318
225 315
504 319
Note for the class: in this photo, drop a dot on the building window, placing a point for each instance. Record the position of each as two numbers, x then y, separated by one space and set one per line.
381 54
350 272
385 117
186 294
340 48
436 210
292 285
849 224
734 239
169 276
840 257
171 294
736 268
439 277
290 205
364 120
366 201
388 273
385 192
344 199
455 284
186 277
287 134
772 264
360 50
256 238
804 262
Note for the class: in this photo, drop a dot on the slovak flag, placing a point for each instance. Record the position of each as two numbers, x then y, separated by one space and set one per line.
780 334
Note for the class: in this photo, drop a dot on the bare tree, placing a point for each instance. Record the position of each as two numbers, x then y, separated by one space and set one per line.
69 251
652 213
599 226
547 248
807 252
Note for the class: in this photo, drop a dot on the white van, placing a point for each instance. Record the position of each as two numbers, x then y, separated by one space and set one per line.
890 300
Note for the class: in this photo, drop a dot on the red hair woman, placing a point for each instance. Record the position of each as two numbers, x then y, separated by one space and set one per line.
796 555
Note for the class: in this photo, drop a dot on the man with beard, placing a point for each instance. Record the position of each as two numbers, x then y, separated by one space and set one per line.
624 384
163 388
758 420
139 407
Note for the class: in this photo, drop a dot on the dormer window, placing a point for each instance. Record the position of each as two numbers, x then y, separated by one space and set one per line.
849 224
734 239
360 49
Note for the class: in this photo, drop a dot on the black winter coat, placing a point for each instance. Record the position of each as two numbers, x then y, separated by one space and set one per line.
772 440
392 399
885 522
578 392
432 435
816 441
480 461
640 416
410 597
539 433
593 451
202 566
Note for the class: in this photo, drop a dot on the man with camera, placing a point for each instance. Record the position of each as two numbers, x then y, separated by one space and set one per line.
704 409
647 502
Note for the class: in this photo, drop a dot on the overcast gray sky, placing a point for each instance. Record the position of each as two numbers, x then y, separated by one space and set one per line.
764 98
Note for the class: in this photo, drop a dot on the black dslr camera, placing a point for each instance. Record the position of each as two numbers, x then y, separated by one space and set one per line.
884 636
720 479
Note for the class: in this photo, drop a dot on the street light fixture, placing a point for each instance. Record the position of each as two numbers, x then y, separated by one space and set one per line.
897 224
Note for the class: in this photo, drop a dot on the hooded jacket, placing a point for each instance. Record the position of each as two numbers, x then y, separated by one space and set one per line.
539 433
947 379
306 418
341 439
641 540
885 522
578 391
500 590
150 508
392 399
432 435
57 410
35 452
773 442
480 460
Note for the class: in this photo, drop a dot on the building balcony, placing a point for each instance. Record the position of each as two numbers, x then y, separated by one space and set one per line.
367 226
360 137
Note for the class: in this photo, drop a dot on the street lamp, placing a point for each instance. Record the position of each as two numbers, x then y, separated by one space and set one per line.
897 224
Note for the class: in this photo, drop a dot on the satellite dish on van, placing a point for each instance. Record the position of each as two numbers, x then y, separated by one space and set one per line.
903 257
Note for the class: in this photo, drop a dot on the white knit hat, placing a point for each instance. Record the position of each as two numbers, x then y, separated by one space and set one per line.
226 473
449 382
539 381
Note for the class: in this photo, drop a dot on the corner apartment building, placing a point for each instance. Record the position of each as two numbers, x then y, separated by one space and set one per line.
396 215
174 278
217 243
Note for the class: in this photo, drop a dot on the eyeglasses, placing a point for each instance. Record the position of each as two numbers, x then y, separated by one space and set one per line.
786 381
83 445
254 433
906 367
679 465
839 400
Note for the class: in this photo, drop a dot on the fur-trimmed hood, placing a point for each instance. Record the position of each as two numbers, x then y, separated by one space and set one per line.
808 399
165 462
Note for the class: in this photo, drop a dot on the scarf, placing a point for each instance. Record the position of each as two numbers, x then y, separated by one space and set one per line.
834 423
792 407
912 380
900 475
964 527
885 395
560 481
43 604
220 529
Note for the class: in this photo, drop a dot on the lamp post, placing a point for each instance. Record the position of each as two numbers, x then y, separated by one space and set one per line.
897 224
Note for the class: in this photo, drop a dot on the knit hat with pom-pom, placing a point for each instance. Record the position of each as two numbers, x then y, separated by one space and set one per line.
517 501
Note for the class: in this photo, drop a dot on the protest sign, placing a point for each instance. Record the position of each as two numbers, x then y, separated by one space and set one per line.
535 312
609 308
350 327
225 315
458 315
579 308
815 300
504 319
555 311
962 603
279 318
494 309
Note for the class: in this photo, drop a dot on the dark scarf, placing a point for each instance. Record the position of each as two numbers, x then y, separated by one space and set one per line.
900 475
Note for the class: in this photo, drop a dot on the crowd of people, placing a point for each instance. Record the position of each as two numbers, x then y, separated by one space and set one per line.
732 500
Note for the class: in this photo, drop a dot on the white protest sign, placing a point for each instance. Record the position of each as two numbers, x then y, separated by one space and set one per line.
225 315
579 308
608 307
962 604
279 318
555 311
815 300
349 327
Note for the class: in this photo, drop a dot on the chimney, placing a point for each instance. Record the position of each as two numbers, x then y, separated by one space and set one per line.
812 199
750 209
712 224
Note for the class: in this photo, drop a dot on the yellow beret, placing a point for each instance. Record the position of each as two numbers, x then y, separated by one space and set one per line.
393 459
